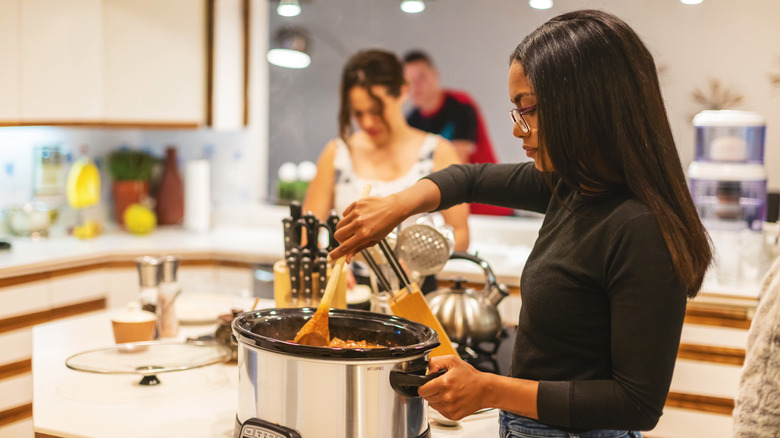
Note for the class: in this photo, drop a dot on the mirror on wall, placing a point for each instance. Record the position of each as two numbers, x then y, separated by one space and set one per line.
471 41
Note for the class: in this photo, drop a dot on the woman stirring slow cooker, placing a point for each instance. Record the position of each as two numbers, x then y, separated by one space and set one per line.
620 251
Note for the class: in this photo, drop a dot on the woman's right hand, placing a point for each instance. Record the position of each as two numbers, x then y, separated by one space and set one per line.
369 220
366 222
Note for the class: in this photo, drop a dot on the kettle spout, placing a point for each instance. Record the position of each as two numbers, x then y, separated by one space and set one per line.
497 293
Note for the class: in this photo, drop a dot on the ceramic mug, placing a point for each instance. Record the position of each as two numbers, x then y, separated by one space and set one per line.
133 325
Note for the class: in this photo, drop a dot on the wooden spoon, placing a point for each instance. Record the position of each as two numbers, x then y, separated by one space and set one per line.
316 332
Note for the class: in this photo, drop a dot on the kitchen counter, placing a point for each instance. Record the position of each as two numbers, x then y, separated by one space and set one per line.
193 403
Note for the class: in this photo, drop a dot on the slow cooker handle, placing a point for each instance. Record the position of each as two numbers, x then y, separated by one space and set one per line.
406 383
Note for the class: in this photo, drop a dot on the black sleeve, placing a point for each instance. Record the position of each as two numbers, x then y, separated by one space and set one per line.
518 186
647 307
465 124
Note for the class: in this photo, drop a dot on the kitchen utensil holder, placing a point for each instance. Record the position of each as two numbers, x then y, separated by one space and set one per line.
282 291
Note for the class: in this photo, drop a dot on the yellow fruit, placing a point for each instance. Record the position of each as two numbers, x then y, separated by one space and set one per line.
83 184
87 230
139 219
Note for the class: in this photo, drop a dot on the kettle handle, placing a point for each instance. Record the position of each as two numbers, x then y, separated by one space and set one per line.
493 291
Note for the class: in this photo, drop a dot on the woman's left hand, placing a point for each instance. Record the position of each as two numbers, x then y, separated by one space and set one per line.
458 392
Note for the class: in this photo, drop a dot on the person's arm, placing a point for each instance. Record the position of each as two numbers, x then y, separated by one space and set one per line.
518 186
456 216
319 194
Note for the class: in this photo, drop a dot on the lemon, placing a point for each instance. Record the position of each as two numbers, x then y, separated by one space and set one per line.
87 230
139 219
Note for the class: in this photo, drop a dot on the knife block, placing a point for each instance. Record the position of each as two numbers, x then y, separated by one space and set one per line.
282 290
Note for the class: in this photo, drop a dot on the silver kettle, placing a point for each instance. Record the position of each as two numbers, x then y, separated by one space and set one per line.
467 315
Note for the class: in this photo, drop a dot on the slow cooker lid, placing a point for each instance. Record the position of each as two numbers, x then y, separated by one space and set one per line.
273 330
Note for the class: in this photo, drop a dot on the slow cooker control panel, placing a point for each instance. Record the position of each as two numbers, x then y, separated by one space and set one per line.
256 428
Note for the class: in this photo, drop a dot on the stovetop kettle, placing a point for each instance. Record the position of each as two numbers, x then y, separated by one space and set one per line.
469 316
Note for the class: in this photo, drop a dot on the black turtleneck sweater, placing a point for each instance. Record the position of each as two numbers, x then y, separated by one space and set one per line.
602 305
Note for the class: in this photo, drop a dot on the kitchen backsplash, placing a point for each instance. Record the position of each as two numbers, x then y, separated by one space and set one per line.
237 168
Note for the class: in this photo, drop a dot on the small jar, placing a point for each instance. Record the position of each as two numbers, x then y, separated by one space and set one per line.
169 290
149 275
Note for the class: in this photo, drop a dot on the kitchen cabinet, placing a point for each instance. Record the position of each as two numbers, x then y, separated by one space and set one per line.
124 63
154 61
10 108
60 60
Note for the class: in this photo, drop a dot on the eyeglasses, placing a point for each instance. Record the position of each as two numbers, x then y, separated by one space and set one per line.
517 117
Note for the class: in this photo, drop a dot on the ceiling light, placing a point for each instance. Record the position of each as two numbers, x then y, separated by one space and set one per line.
290 49
690 2
540 4
288 8
412 6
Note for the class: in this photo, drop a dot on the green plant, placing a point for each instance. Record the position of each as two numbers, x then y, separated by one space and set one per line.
131 165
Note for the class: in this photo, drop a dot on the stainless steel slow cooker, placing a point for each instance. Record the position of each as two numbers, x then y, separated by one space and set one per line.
291 390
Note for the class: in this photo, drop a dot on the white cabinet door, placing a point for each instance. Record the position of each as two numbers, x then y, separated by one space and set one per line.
9 60
155 61
61 68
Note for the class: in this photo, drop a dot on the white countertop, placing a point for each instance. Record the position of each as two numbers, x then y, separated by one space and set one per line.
193 403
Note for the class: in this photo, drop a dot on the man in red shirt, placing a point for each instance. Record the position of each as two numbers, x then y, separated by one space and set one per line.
451 114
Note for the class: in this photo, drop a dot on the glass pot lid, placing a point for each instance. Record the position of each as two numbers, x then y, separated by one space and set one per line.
149 358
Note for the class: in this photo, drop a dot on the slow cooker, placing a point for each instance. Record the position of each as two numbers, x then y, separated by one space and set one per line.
288 390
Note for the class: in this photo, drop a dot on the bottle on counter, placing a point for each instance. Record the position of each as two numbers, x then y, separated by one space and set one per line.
168 291
170 197
149 276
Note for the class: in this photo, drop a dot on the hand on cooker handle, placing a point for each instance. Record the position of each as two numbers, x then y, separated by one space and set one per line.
458 392
365 222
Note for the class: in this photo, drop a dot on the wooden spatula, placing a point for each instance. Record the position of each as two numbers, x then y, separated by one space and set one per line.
316 332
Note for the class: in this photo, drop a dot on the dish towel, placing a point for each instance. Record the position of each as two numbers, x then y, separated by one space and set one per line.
757 407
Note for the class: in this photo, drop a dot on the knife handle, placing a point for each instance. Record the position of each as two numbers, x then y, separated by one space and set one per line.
294 267
322 270
287 224
307 280
312 230
295 210
332 222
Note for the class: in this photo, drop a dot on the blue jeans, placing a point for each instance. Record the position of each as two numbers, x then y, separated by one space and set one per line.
515 426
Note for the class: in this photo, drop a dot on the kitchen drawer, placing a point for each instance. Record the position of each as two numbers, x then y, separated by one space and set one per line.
684 423
19 429
727 337
79 287
16 391
705 378
25 298
15 346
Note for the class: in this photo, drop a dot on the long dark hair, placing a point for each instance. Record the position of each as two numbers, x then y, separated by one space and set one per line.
603 125
366 69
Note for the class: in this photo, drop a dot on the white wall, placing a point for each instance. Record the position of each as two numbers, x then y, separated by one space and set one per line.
737 42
